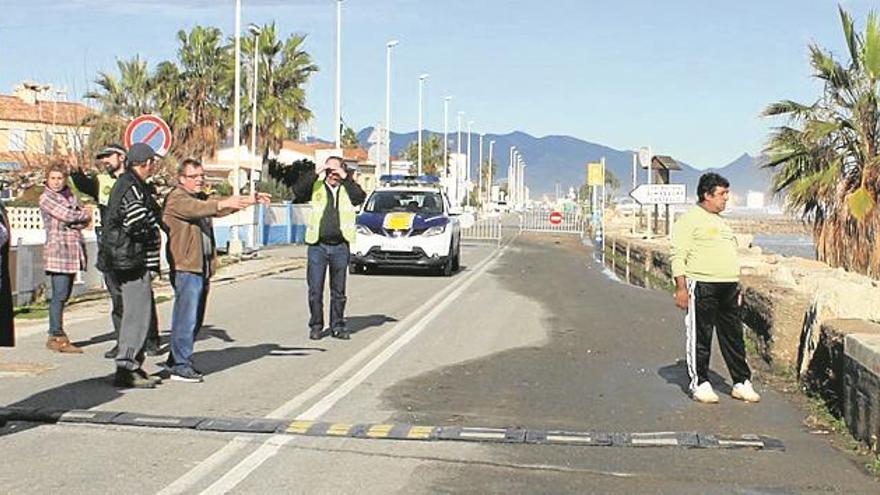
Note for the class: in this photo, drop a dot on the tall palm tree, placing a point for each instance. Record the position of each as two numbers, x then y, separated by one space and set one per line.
284 70
827 160
432 155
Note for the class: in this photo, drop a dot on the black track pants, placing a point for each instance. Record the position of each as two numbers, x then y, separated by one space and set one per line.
715 305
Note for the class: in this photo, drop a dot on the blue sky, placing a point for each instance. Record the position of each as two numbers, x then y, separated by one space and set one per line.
688 77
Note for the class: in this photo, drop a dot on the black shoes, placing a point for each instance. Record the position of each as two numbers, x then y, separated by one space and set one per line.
316 334
134 379
341 334
111 354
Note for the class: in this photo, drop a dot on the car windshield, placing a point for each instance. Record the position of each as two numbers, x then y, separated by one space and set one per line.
423 202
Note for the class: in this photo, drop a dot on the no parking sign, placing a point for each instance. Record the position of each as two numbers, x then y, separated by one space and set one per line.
151 130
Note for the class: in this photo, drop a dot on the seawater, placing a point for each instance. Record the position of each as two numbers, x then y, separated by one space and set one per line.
800 245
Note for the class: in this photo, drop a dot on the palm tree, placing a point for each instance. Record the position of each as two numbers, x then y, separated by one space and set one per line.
119 99
827 160
432 155
285 69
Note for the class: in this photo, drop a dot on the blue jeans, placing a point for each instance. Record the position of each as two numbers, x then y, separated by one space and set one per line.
190 298
320 257
62 283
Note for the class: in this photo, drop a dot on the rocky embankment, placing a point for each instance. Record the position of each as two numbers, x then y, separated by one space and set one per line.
793 312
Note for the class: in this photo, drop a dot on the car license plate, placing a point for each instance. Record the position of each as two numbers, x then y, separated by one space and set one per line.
398 221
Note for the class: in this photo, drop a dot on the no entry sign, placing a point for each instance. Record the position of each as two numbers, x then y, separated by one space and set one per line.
151 130
556 218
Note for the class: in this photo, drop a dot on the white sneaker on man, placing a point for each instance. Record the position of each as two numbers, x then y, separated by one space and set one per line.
704 393
745 392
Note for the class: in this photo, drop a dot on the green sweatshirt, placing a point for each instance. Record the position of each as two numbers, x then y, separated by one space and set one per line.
704 248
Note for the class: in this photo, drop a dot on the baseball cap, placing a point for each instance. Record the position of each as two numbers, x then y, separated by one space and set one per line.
113 149
139 153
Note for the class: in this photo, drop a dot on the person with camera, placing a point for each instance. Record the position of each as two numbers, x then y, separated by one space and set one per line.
333 195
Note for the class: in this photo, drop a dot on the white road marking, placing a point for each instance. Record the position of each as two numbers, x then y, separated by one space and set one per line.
238 473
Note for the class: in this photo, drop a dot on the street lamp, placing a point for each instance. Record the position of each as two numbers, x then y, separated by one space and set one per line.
422 79
255 30
480 173
510 176
446 101
457 158
388 46
338 133
235 247
489 171
467 174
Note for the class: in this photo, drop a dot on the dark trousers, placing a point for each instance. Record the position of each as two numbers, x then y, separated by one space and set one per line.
715 306
62 283
320 258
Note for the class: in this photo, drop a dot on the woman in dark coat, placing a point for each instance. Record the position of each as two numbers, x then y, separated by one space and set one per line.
7 330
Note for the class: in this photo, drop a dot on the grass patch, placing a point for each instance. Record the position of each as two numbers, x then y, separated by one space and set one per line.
820 415
31 312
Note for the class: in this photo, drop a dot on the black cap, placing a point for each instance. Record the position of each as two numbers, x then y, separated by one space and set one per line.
140 153
113 149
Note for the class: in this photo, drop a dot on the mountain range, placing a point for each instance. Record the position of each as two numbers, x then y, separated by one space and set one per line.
563 159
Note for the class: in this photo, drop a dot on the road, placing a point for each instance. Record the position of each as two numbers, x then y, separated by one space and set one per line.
531 335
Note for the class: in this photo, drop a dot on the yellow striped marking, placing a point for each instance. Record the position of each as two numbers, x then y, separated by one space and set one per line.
379 431
339 429
300 427
420 432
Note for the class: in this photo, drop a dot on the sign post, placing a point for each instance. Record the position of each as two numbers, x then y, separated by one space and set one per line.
149 129
660 194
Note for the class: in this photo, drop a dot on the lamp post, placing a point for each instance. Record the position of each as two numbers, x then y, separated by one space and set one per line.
457 158
388 46
338 133
489 171
422 79
480 174
255 30
445 136
235 247
467 175
510 179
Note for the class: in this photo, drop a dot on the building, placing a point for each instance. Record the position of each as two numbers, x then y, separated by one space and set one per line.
35 126
355 158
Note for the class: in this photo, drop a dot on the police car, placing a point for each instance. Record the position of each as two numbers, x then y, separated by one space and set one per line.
406 222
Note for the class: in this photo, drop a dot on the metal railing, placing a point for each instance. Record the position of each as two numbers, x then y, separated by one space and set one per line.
570 222
484 229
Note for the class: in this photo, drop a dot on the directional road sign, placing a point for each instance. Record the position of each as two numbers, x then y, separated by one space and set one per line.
556 218
659 194
149 129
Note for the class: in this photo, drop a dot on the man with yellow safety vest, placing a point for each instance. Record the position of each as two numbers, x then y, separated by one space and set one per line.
98 186
329 233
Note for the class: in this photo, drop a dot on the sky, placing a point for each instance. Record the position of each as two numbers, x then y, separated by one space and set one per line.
687 77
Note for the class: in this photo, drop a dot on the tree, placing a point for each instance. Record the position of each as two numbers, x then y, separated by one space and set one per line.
285 69
350 139
432 155
826 159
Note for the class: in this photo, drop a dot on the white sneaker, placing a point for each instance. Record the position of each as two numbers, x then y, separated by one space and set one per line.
704 393
745 392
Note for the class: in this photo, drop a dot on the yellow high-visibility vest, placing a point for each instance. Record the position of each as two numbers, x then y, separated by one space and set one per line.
347 213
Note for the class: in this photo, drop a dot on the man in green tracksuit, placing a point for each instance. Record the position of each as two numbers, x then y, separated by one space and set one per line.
706 272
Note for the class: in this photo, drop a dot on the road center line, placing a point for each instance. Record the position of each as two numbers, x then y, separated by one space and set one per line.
237 474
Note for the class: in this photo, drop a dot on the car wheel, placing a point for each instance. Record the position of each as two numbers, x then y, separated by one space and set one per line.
354 268
447 270
456 260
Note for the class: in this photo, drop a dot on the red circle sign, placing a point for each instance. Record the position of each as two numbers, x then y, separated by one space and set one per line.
149 129
556 218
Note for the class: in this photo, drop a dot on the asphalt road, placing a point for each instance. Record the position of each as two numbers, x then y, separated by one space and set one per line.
531 335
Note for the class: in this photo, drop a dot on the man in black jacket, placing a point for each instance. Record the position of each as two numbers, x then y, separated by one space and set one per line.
99 186
128 254
329 232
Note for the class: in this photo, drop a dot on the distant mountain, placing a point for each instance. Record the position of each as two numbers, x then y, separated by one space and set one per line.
563 159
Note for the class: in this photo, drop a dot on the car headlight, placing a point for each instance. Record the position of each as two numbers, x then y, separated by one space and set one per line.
364 230
437 230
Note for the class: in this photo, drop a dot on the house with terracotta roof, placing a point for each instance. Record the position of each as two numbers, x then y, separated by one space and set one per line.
355 158
35 126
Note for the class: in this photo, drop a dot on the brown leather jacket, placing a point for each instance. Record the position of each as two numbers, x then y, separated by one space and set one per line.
185 218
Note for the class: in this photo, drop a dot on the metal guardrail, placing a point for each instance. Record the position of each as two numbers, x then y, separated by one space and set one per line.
573 222
484 229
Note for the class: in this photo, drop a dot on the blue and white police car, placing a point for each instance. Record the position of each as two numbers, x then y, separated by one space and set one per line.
407 222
